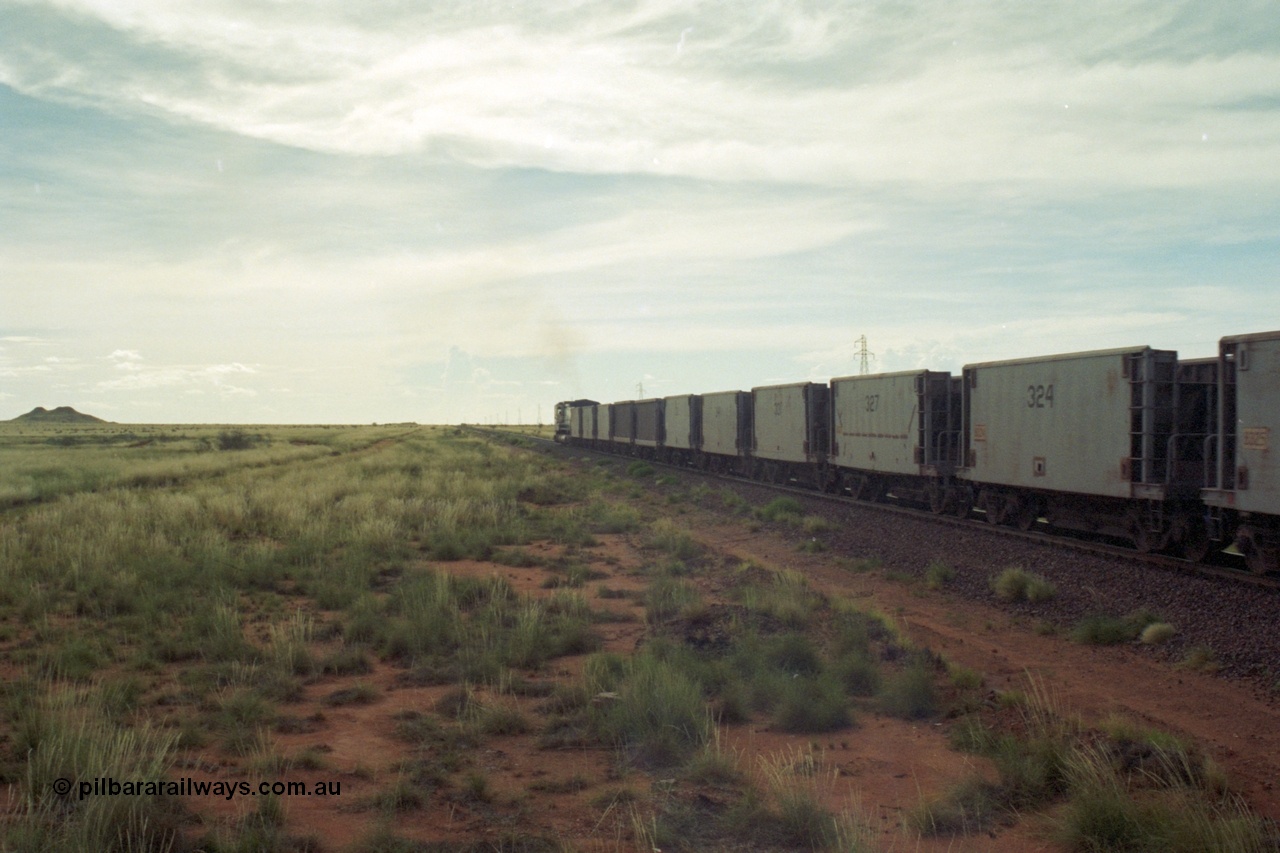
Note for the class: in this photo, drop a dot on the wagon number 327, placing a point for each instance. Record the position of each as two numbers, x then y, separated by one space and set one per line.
1039 396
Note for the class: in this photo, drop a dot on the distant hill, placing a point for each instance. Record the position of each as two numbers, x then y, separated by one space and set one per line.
60 415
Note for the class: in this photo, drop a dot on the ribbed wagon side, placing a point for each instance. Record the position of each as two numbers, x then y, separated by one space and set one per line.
1244 488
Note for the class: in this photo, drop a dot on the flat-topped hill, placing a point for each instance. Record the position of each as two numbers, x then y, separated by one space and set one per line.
60 415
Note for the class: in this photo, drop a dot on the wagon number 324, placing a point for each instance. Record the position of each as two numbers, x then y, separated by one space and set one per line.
1039 396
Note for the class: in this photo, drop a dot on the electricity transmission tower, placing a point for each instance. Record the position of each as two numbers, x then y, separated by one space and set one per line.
863 355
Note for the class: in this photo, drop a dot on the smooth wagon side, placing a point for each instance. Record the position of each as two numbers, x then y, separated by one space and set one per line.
682 428
791 431
895 432
1082 438
726 431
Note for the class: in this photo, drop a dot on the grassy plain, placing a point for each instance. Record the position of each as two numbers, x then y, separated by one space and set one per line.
171 598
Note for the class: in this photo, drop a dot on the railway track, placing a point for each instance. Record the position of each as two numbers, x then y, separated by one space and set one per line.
1225 566
1230 567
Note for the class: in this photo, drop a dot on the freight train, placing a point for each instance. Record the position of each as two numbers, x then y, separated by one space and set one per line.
1173 455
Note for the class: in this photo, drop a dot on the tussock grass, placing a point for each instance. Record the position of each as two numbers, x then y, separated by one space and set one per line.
639 469
862 565
1017 584
1157 633
669 537
1115 786
1199 659
784 595
815 524
1100 629
668 597
659 717
911 693
813 704
715 764
938 574
800 819
228 567
1157 808
786 509
69 733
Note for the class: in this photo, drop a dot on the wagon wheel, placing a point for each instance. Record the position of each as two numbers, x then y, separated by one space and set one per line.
1259 558
993 506
1260 561
1193 540
963 503
1025 513
866 488
937 499
1145 540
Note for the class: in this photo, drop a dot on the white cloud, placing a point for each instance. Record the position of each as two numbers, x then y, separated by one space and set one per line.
213 376
335 195
981 94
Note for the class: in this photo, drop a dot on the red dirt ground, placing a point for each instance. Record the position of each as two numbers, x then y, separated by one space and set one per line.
878 769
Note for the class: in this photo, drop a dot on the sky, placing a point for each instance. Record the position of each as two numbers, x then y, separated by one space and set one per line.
266 211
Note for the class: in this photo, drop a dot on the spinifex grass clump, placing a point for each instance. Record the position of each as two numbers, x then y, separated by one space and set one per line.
1016 584
784 595
1111 787
1100 629
782 509
938 574
669 537
1161 807
667 597
911 693
70 734
464 628
784 810
655 713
